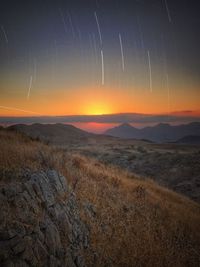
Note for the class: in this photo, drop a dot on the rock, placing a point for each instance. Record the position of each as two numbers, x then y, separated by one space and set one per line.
40 223
90 209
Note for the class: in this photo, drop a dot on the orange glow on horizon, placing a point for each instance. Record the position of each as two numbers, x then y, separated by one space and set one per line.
99 100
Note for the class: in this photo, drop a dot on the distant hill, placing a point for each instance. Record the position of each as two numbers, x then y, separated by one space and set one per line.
53 133
189 139
124 130
162 132
65 133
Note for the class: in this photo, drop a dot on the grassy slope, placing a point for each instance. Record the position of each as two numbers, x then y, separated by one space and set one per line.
131 222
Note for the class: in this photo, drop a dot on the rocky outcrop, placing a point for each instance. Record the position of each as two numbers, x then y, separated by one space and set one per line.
40 223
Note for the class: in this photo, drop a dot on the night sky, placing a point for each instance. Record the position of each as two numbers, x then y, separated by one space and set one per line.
99 57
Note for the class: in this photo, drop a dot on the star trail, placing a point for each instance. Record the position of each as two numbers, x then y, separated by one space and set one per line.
123 56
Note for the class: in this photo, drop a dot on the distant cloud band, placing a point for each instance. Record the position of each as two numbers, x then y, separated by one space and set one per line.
110 118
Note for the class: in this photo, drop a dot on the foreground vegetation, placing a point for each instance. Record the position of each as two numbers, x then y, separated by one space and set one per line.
131 222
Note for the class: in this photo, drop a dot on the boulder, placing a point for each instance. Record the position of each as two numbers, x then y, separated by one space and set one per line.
40 223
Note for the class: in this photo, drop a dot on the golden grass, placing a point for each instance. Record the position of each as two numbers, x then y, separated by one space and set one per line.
135 223
18 152
138 223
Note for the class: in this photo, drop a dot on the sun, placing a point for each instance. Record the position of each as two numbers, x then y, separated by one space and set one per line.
97 109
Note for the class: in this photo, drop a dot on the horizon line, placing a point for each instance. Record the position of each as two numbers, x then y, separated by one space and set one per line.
188 113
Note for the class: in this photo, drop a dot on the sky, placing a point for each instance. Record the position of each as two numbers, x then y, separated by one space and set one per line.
99 57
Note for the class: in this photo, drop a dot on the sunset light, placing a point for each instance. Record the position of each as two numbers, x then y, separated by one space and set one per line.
100 133
97 60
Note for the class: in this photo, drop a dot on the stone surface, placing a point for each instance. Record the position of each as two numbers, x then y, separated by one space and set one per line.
40 223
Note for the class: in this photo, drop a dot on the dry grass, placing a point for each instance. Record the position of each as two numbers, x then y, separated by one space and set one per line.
134 223
18 152
137 223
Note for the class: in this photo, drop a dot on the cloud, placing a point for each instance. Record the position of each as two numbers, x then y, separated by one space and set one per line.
179 117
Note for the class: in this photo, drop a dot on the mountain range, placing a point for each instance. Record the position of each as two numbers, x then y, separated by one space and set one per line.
162 132
65 133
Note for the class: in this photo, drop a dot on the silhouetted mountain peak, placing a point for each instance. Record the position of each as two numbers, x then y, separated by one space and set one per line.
125 125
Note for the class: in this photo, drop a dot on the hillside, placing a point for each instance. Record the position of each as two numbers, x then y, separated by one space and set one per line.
53 133
60 209
172 165
141 157
162 132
